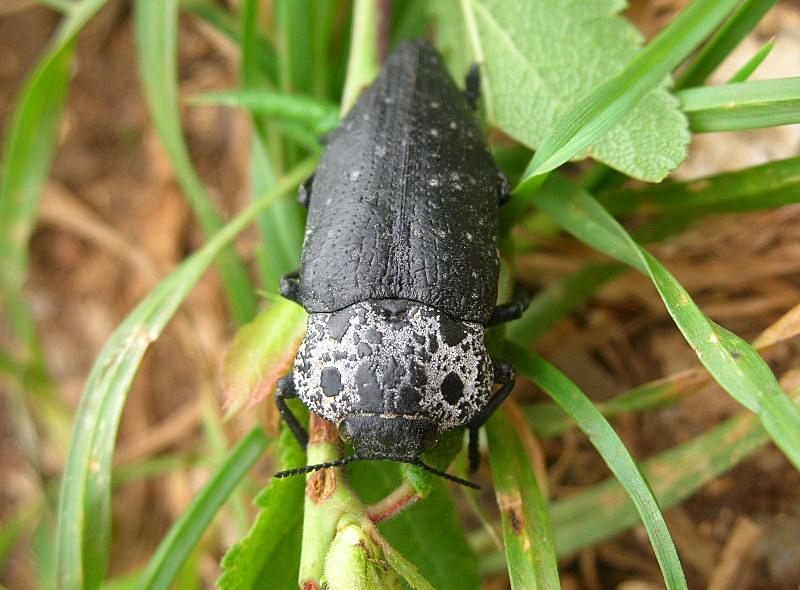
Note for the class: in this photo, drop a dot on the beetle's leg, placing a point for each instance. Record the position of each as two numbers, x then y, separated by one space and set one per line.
507 312
503 191
286 391
304 192
472 86
290 286
504 375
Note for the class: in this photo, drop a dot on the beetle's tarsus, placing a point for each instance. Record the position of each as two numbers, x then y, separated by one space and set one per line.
286 390
503 190
472 86
505 376
290 286
304 192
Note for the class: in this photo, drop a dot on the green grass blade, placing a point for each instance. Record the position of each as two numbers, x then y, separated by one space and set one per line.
742 105
611 448
724 41
186 532
321 117
752 64
593 115
769 185
156 43
29 145
604 510
731 361
224 22
362 64
523 510
85 504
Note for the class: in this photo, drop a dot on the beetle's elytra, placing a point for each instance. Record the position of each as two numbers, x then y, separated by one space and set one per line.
399 268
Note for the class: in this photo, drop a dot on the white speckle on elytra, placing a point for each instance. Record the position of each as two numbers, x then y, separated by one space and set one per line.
434 132
468 236
380 151
453 125
433 182
434 104
354 174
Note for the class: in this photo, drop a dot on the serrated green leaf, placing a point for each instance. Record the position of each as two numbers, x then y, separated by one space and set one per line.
268 558
261 353
539 57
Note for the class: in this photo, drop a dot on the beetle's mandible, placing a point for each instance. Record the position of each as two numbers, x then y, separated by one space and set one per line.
399 269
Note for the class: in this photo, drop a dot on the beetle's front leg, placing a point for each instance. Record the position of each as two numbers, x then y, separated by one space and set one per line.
505 376
304 192
286 390
290 286
472 86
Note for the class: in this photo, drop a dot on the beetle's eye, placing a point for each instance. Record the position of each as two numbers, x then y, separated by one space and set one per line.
431 439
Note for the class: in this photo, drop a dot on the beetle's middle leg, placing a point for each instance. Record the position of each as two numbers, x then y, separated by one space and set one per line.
504 375
286 390
507 312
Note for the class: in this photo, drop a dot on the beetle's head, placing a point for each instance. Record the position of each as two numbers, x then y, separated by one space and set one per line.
389 437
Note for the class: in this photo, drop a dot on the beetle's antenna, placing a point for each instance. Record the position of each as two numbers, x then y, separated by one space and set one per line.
463 482
310 468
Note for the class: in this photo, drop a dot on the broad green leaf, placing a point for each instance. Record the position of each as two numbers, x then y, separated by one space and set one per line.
539 57
261 353
591 117
732 362
320 117
604 510
742 105
156 42
612 449
84 510
268 557
186 532
724 41
523 510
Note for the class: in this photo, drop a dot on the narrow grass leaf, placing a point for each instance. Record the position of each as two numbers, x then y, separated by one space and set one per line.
523 510
156 42
611 448
186 532
766 186
586 121
724 41
405 568
84 510
731 361
261 353
742 105
320 117
271 549
362 63
604 510
752 64
29 144
224 22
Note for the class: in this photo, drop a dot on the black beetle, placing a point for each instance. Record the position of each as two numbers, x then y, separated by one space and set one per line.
399 269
